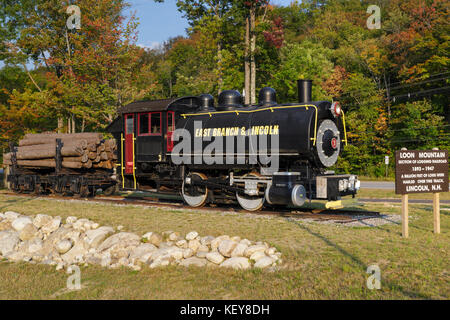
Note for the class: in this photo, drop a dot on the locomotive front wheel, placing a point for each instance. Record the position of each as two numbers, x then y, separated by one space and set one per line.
194 195
250 203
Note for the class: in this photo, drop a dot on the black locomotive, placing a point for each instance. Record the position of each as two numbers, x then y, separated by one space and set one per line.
267 153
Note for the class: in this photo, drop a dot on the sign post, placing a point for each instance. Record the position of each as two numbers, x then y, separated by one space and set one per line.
421 171
436 216
405 218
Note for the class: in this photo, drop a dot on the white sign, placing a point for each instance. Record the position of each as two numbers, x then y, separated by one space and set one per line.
386 159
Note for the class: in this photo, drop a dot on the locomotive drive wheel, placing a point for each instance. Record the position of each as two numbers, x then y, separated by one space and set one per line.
250 203
195 196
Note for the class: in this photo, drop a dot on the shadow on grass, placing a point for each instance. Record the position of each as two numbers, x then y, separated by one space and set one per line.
391 285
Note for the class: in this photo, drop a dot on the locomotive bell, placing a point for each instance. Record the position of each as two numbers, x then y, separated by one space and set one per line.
267 97
206 102
229 100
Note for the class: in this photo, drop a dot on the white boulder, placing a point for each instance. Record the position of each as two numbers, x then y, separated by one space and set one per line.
143 252
252 249
51 226
238 263
8 241
226 247
187 253
28 232
264 262
11 215
41 220
215 243
64 246
257 255
194 245
97 236
181 244
239 250
215 257
122 239
19 223
206 241
191 235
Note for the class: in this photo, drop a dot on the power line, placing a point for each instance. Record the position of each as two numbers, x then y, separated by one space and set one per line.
431 76
417 83
401 82
421 93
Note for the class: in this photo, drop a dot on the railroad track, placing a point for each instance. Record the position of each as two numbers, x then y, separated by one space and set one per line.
337 215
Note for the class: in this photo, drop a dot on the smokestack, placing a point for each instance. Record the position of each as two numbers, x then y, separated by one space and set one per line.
304 88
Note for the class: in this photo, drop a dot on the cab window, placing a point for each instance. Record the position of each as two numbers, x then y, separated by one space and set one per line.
156 123
149 124
129 124
143 124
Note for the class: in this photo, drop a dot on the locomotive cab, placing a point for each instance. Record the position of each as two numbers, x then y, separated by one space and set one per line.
145 131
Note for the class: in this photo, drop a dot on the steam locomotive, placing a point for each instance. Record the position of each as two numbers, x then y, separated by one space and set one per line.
267 153
270 153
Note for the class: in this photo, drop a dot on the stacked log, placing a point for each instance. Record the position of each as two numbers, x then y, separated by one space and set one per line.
79 150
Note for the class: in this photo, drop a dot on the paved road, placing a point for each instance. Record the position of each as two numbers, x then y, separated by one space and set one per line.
378 185
386 185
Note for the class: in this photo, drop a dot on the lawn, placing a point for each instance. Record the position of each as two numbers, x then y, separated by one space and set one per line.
320 261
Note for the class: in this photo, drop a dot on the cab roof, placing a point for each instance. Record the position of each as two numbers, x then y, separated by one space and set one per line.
173 104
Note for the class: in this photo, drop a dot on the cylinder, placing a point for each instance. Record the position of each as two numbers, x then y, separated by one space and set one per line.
304 88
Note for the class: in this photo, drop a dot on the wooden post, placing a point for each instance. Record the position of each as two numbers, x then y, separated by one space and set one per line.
404 215
436 212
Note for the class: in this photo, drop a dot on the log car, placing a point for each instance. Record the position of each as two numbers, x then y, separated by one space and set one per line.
311 138
51 166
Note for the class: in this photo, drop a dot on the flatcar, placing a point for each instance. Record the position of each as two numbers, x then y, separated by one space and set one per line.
265 154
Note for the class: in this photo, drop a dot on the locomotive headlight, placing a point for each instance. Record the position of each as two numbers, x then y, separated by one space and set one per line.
335 109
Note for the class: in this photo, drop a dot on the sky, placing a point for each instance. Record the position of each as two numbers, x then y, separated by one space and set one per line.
161 21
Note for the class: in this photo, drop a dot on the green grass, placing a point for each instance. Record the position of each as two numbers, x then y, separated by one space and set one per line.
366 178
319 261
382 193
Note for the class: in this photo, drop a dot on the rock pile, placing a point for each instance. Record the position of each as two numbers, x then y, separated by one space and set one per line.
50 240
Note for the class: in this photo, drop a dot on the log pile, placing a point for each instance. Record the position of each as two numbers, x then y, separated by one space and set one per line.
79 150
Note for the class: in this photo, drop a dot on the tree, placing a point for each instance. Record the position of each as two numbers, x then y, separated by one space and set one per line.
415 125
251 9
90 72
307 60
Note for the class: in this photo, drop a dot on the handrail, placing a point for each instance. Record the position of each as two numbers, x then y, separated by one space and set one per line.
258 110
134 171
345 131
121 159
